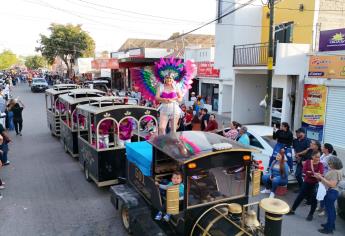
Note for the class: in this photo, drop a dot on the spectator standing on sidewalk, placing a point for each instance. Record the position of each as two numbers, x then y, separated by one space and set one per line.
17 110
331 181
204 118
301 146
284 138
4 145
311 169
212 125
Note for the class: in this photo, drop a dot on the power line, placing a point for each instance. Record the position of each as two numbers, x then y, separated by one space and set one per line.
288 8
210 22
134 12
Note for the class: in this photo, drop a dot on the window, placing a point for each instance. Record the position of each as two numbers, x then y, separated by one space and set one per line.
216 184
283 33
254 141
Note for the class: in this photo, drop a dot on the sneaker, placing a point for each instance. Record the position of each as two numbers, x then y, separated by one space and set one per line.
159 216
20 134
167 217
2 187
309 218
272 195
324 231
265 191
6 163
321 213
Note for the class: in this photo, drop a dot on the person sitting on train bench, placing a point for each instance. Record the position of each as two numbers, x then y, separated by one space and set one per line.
126 131
278 174
176 179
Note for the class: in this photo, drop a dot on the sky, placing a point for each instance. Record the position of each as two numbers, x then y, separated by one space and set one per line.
109 22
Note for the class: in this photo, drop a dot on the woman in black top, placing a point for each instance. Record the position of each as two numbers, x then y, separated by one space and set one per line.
17 109
284 139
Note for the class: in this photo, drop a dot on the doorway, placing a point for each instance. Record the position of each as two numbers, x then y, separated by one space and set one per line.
210 93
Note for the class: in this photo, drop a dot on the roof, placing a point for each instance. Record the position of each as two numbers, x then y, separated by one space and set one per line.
187 146
71 96
96 109
260 130
173 42
61 88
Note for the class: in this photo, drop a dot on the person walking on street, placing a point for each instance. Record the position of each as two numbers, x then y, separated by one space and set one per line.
284 138
17 110
301 146
309 188
331 180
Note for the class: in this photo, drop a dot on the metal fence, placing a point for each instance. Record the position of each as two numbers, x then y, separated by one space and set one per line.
251 55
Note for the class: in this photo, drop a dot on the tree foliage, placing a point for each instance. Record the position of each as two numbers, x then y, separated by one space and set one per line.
67 42
7 59
35 62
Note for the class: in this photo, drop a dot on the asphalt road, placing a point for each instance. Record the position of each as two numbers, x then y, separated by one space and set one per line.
46 193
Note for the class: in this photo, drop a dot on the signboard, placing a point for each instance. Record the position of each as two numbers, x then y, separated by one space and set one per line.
84 65
105 64
329 67
332 40
206 69
314 110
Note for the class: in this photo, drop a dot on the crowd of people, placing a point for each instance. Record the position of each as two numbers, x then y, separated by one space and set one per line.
11 118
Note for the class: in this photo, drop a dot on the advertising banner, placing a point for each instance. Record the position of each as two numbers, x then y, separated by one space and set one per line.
314 109
206 69
328 67
332 40
105 64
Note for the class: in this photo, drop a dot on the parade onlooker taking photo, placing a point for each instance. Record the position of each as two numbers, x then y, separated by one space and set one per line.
309 187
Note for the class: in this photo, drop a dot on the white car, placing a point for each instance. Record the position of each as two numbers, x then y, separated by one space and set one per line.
261 139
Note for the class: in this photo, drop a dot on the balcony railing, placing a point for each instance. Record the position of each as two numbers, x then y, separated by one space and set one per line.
251 55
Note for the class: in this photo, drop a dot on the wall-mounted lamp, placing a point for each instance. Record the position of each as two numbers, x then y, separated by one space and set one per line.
301 7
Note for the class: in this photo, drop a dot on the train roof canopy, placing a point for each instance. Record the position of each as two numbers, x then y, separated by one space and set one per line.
187 146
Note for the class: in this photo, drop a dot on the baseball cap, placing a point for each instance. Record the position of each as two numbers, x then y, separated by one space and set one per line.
300 130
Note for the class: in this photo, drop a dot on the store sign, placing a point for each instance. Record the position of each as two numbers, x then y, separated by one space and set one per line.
206 69
329 67
137 53
332 40
314 110
105 64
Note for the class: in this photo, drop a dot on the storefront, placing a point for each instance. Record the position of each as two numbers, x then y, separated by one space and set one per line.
208 78
324 100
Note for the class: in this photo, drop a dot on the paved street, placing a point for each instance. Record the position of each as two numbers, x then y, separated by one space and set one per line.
46 192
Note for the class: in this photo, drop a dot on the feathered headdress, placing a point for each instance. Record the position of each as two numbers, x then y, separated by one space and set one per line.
146 80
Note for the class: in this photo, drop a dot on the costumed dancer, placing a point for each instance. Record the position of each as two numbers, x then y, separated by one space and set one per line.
169 96
167 84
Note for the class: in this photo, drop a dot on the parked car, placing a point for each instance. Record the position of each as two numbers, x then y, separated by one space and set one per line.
341 200
39 85
261 139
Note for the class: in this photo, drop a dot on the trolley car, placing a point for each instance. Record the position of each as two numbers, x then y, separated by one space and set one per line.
53 106
105 126
68 120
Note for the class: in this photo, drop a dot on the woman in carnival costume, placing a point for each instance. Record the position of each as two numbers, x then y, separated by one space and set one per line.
167 84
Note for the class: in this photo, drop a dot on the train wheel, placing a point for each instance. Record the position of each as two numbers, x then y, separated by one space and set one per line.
87 173
125 218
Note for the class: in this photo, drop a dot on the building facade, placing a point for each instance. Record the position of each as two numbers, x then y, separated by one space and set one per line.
241 56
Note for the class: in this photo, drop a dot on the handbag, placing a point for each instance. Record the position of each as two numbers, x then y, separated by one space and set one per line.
321 192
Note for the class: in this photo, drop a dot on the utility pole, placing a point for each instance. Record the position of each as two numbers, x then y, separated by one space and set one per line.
270 64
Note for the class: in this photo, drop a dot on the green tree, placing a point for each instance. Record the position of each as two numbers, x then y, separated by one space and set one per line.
7 59
35 62
68 42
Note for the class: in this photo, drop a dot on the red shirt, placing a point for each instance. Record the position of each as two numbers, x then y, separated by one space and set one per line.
211 125
309 176
188 117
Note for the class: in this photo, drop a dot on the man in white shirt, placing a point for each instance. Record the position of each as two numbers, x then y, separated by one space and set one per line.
193 97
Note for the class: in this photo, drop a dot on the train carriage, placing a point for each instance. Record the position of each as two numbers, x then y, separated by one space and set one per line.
53 106
68 121
105 127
